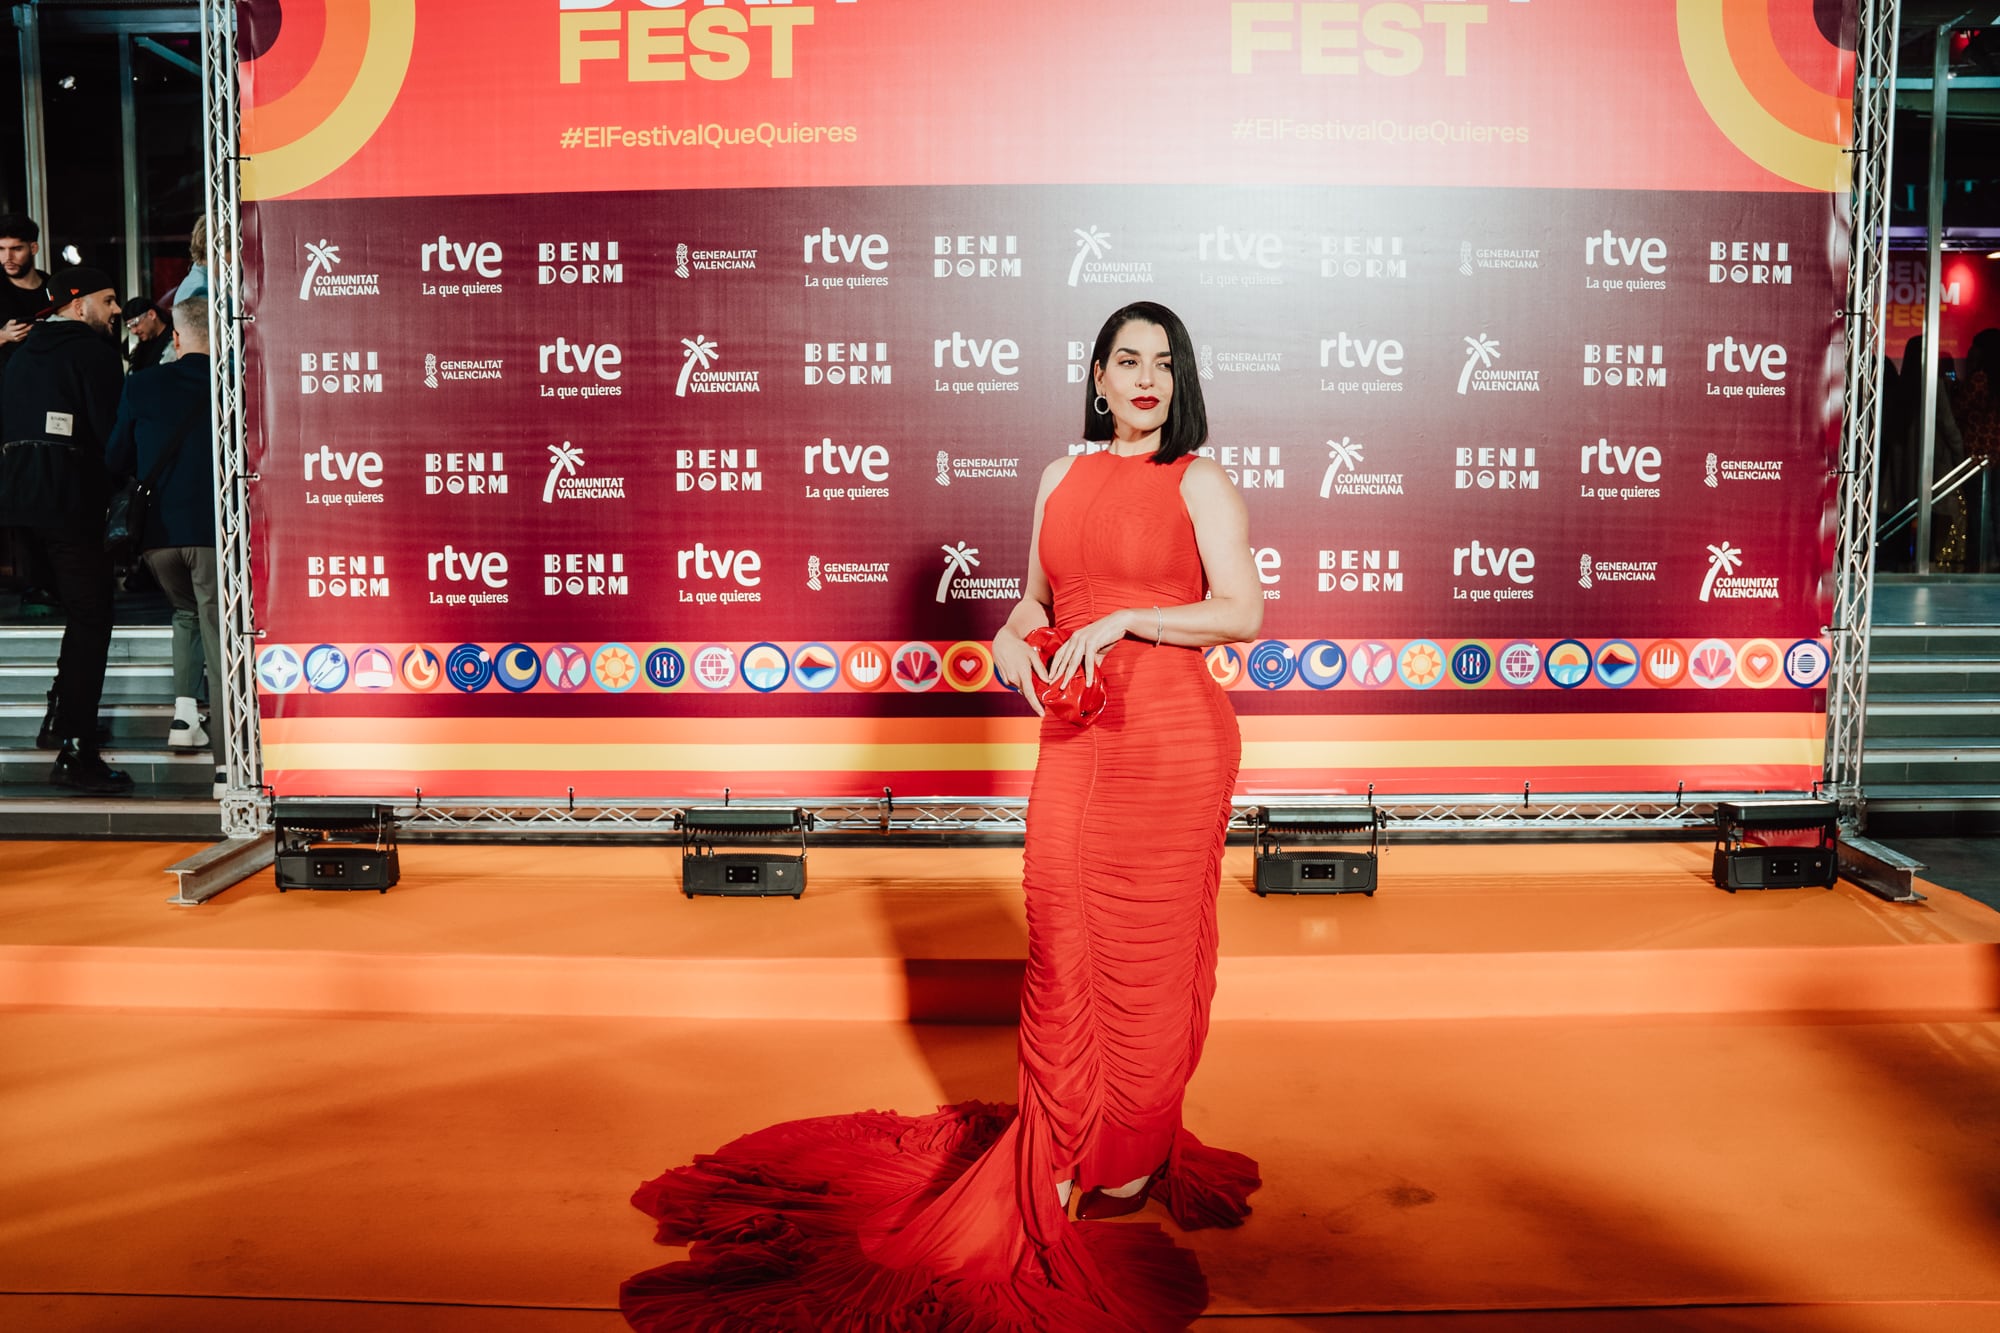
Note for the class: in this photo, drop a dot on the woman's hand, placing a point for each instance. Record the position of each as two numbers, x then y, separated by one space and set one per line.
1020 664
1087 647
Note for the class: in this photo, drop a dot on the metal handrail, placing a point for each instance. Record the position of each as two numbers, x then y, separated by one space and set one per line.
1944 487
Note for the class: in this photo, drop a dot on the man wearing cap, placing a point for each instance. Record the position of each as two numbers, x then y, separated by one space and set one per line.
146 322
58 401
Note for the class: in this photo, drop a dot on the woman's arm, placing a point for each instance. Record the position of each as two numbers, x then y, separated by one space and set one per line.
1234 609
1018 662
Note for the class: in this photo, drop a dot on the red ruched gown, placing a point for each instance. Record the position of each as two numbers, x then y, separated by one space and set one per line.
950 1223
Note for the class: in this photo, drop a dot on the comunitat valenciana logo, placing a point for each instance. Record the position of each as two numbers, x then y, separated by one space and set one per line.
699 356
959 584
1723 583
1484 373
1093 266
1343 475
568 480
651 41
324 276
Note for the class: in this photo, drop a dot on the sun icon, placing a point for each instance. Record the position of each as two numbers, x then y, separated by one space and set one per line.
1422 665
616 669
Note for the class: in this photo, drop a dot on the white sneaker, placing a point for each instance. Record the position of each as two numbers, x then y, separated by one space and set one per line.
187 733
221 788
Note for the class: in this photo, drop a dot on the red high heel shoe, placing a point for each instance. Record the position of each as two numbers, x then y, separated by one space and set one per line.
1096 1205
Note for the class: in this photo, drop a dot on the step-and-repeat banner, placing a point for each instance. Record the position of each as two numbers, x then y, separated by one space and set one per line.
648 397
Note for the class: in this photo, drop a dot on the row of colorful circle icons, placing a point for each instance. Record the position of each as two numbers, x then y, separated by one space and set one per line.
1420 664
919 667
916 667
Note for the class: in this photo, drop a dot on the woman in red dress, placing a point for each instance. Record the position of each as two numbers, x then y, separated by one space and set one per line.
960 1220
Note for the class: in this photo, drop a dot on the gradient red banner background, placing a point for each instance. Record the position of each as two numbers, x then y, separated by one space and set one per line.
1417 349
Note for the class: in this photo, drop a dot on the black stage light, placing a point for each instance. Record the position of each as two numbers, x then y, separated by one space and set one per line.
324 844
1320 870
1776 844
760 874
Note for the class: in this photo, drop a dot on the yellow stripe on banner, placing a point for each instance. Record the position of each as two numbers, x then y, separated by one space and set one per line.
392 35
334 755
1612 751
1762 137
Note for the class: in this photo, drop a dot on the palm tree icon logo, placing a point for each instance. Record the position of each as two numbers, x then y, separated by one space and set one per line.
1480 351
700 355
322 256
959 559
564 460
1722 559
1345 454
1090 244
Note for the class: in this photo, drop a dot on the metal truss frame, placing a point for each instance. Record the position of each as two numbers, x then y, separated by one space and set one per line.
246 809
1481 814
1860 456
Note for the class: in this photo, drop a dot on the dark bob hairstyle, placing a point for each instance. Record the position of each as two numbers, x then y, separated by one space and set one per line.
1186 429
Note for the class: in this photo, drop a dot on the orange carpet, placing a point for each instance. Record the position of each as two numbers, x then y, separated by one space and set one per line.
1812 1144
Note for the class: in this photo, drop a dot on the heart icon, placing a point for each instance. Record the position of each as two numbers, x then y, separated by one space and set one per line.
1760 664
968 667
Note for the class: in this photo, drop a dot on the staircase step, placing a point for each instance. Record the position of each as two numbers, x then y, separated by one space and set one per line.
22 645
138 725
1916 797
25 770
126 682
1898 676
151 812
1950 760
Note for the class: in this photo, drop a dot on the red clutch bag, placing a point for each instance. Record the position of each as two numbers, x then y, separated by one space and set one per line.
1077 703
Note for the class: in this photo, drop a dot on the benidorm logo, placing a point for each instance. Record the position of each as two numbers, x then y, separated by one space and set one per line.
321 278
697 356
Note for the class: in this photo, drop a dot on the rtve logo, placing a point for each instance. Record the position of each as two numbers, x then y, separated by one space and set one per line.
1743 358
445 255
1002 356
1615 460
870 249
976 257
455 566
330 464
744 568
838 460
1384 356
1515 564
339 372
1265 249
604 360
1648 253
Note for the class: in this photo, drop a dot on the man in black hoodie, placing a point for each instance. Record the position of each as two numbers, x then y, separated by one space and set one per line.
58 401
